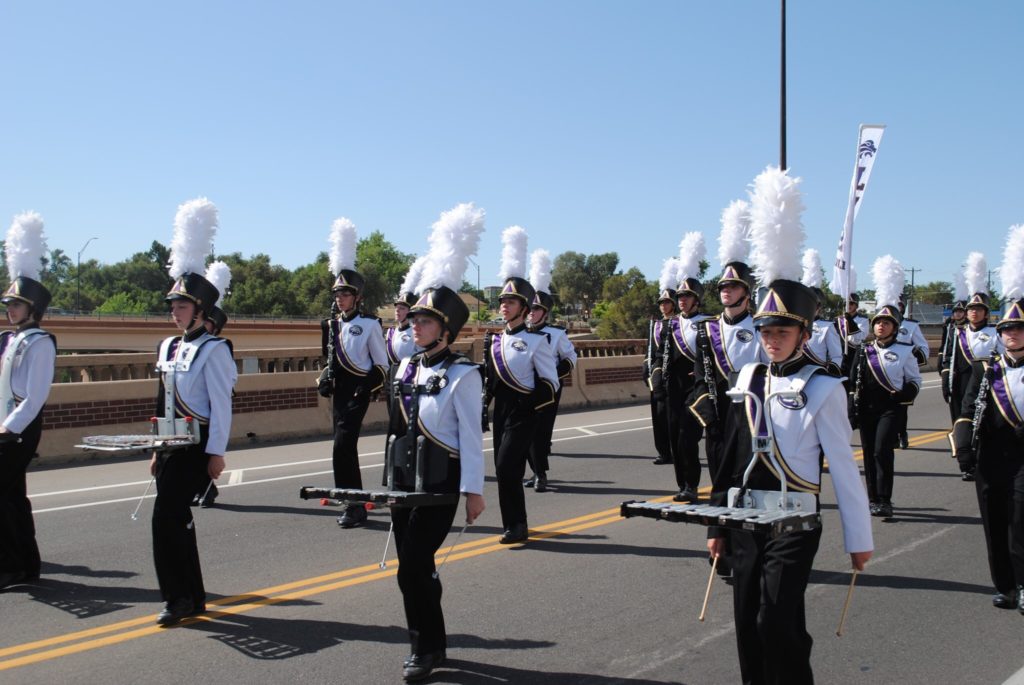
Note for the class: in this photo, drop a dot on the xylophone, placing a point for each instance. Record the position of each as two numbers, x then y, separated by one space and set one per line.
167 434
772 522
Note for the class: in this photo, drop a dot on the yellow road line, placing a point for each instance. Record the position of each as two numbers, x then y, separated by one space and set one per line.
237 604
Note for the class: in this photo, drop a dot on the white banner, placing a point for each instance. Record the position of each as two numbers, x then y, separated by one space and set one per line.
868 141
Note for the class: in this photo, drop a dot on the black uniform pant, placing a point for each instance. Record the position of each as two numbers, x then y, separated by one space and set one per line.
1000 485
541 448
768 604
515 423
419 532
878 431
19 552
659 421
350 405
179 475
685 432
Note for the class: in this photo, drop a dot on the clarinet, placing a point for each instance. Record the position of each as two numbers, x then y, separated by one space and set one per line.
486 400
950 356
859 365
980 404
325 383
650 349
666 333
709 372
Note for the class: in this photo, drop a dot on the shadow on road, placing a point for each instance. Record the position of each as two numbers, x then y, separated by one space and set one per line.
466 672
868 579
565 544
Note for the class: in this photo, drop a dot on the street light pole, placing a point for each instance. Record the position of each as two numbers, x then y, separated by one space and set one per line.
78 277
478 291
782 93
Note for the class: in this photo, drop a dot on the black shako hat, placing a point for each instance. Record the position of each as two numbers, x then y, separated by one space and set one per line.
979 300
669 295
445 305
543 300
219 318
349 280
1013 316
690 286
519 288
739 273
30 291
786 303
194 287
890 312
408 299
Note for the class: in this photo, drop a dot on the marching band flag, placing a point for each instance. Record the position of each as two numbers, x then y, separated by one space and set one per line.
868 141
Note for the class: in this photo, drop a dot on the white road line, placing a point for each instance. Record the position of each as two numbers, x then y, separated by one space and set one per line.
231 479
236 477
587 431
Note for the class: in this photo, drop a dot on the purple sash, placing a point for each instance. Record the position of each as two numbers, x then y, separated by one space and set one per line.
657 331
501 367
810 354
843 326
757 383
408 378
1001 394
389 338
718 347
339 351
680 338
877 368
965 344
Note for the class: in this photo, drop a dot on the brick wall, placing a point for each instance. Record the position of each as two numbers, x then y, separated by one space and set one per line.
614 374
104 412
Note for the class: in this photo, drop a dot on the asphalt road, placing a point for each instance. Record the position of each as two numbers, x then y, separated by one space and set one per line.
591 599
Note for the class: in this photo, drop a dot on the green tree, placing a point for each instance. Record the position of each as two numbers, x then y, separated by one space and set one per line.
383 266
628 304
123 303
579 279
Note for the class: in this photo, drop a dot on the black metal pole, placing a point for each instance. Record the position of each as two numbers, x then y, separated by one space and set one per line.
78 285
782 94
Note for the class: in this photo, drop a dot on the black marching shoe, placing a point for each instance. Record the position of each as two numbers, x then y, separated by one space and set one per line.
660 460
210 499
1004 600
419 666
176 610
873 507
10 578
529 482
353 517
885 509
540 483
517 533
904 441
967 476
1020 598
687 494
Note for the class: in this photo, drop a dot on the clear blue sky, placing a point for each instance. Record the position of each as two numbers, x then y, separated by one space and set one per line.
597 126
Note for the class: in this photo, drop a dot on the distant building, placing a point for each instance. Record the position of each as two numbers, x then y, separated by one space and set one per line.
491 293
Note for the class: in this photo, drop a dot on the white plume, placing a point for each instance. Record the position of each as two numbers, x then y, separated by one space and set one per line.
219 275
811 263
691 251
960 293
455 238
776 231
1011 272
976 273
412 276
343 245
669 274
734 240
195 224
540 271
513 253
25 246
889 278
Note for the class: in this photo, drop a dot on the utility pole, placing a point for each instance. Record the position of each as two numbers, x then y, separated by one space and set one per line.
910 304
782 94
78 278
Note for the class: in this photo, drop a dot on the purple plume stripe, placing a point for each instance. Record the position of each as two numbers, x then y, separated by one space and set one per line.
1001 393
498 355
718 345
877 370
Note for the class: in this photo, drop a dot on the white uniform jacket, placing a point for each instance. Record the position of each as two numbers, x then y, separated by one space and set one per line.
204 375
824 347
399 344
565 353
518 354
30 354
451 418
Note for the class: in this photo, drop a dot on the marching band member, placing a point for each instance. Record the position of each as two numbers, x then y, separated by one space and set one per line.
684 430
448 391
976 340
885 380
398 340
771 573
197 375
658 357
27 355
219 275
988 437
824 348
852 327
522 379
565 361
353 342
909 331
951 328
727 342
